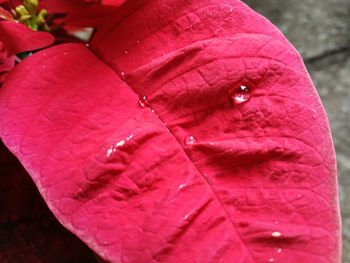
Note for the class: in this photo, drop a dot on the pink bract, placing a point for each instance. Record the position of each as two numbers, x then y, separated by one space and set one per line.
18 38
192 176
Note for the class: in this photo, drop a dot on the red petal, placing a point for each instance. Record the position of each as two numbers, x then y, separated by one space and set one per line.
19 38
113 2
6 63
90 16
61 6
192 175
4 14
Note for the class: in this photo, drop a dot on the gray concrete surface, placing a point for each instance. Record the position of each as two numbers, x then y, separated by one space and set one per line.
320 30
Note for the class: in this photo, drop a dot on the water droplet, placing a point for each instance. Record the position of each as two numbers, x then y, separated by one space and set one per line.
191 26
138 41
276 222
87 45
271 260
65 53
182 186
299 195
109 152
186 216
105 243
279 250
276 234
119 144
189 140
143 102
231 9
43 66
126 52
240 94
123 75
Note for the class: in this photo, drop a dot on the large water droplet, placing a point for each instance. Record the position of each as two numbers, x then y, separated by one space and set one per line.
240 95
143 102
189 140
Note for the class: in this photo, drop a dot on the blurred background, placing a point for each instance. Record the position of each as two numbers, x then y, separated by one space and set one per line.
320 30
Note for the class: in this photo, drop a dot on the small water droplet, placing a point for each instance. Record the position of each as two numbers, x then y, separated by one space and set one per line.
186 216
123 75
182 186
143 102
87 45
276 222
276 234
240 95
109 152
279 250
189 140
271 260
231 9
210 13
65 53
105 243
126 52
191 26
138 41
299 195
43 66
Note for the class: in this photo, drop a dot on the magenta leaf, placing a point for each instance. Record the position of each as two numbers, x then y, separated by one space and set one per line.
203 140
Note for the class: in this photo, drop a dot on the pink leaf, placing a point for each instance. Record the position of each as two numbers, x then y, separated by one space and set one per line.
19 38
203 140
